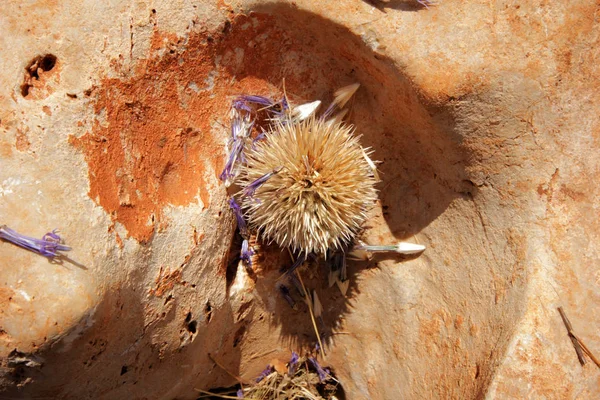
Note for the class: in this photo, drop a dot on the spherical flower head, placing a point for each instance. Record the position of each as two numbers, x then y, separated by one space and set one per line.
320 185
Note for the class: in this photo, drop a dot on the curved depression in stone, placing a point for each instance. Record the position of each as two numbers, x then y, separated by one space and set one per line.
153 154
418 316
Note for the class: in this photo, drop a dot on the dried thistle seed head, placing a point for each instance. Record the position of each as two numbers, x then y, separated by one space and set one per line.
322 189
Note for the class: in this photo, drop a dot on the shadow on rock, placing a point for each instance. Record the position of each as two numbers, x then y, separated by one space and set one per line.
421 163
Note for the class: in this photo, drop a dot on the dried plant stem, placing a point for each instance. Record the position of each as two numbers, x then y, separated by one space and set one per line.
221 396
578 344
237 378
254 357
572 336
587 351
312 316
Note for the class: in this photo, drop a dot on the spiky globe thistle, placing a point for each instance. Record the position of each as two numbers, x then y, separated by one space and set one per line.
309 185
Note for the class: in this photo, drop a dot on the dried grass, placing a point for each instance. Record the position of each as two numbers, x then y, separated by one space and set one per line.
304 383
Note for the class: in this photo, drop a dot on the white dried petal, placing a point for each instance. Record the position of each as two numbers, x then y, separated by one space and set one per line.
333 277
363 251
304 111
337 118
371 164
343 286
409 248
317 306
342 95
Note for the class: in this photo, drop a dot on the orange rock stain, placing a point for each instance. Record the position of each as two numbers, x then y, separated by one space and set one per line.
153 142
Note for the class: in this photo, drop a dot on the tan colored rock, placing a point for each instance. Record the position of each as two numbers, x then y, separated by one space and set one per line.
113 121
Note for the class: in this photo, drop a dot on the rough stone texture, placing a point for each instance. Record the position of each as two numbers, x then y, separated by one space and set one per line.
484 116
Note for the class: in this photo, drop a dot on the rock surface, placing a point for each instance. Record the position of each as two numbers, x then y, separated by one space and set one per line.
113 119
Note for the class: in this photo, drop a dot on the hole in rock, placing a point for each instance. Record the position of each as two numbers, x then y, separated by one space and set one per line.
208 311
192 326
47 62
233 257
239 334
34 71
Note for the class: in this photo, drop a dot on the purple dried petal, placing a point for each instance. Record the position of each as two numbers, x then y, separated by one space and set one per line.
284 104
285 293
246 253
258 137
323 373
48 246
241 127
240 131
240 394
294 280
267 371
295 358
241 105
299 261
241 222
263 101
251 188
51 236
329 111
293 364
230 170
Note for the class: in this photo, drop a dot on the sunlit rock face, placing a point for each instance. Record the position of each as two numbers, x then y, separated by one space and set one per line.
113 124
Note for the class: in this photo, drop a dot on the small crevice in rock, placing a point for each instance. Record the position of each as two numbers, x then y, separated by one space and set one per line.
190 325
208 312
233 258
43 63
238 335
